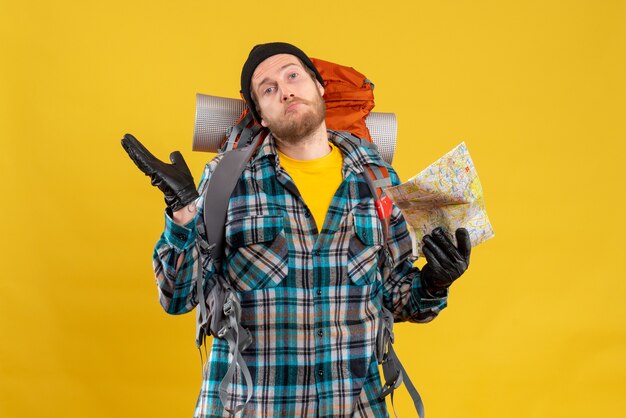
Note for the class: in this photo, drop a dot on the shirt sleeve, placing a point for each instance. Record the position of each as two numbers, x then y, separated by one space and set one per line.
181 258
403 292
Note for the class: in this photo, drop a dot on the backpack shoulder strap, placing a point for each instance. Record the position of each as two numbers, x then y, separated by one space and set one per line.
378 180
222 316
241 133
242 141
395 375
217 194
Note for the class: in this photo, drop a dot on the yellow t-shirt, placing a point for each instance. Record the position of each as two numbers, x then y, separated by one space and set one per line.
317 180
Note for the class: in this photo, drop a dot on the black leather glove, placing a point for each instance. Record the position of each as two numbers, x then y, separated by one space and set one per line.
174 180
445 262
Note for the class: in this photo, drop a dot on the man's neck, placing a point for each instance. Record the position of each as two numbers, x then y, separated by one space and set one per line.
310 147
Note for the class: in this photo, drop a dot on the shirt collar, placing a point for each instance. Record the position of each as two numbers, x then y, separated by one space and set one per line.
357 153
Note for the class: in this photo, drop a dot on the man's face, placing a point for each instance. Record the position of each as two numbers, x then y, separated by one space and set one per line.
288 99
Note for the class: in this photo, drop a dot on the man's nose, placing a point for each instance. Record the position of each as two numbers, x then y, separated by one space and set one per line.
286 92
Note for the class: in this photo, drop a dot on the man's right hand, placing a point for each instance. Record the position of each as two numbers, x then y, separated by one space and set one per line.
445 262
174 180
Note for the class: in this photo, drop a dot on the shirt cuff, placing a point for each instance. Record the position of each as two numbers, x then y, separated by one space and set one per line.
425 298
180 237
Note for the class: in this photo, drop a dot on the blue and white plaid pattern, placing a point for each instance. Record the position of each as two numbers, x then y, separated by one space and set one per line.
310 298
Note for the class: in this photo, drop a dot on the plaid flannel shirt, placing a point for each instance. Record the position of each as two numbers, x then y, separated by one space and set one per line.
311 298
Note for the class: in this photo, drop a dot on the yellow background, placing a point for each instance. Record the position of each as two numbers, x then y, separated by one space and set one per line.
537 90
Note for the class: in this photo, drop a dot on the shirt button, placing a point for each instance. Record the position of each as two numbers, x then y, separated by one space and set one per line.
320 333
307 213
319 292
320 372
316 252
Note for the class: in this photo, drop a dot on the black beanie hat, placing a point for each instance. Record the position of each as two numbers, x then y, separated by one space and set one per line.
259 54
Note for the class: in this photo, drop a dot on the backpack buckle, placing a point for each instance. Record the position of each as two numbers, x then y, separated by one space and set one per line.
384 207
223 331
228 307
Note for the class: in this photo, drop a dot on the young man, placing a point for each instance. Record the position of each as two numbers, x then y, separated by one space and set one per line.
305 251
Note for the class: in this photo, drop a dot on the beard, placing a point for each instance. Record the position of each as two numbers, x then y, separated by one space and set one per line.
300 123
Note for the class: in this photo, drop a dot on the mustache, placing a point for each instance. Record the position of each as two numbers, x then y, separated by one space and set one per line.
298 100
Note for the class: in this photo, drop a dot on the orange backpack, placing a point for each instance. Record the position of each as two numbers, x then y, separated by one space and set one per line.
349 98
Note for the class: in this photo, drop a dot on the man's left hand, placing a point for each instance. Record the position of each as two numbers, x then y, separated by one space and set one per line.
445 262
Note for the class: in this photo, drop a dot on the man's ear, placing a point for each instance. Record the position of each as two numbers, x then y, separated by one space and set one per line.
263 123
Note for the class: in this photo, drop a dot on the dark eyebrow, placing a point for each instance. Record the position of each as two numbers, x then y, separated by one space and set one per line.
265 80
